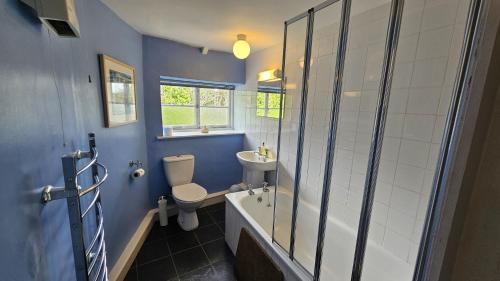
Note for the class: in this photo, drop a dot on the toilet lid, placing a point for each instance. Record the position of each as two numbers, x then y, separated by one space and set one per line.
190 192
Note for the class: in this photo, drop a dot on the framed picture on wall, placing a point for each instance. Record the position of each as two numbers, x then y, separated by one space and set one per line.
118 92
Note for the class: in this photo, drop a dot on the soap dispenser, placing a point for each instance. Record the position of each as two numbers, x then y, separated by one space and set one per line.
262 150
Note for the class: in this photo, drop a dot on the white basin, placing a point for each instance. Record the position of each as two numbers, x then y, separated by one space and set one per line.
254 167
253 161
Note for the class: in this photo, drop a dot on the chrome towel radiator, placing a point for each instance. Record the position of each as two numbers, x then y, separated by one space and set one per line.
89 254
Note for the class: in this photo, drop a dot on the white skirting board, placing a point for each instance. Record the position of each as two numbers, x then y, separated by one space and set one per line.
214 198
121 267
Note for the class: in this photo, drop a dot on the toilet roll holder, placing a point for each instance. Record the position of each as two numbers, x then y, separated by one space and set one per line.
137 164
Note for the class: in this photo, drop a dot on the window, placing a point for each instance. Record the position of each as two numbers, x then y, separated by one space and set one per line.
268 103
193 105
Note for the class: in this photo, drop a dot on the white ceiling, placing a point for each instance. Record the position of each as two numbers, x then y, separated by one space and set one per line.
211 23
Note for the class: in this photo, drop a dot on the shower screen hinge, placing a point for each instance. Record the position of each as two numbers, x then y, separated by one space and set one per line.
50 193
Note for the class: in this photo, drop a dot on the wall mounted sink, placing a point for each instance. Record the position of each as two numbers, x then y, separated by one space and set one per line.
253 161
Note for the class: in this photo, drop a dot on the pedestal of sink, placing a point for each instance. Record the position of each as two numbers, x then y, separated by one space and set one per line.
253 177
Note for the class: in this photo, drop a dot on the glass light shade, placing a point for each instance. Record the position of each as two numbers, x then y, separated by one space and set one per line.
241 48
271 75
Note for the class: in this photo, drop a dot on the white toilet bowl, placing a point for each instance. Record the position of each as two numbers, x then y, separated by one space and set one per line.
188 198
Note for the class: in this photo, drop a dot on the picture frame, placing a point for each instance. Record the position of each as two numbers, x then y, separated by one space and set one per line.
118 92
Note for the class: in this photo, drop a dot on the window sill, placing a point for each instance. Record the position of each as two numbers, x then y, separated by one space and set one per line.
198 134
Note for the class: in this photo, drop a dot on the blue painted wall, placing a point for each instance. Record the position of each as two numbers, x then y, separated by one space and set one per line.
169 58
47 106
216 165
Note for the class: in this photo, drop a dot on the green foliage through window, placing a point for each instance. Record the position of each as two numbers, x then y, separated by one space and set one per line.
191 107
261 104
176 95
268 105
214 97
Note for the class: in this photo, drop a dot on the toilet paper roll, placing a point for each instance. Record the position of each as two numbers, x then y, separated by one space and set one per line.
138 173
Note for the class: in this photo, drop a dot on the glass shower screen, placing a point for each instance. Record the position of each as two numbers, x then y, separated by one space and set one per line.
295 39
393 79
358 104
427 62
315 135
304 130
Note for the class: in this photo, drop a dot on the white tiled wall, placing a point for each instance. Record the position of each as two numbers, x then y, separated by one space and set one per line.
429 49
257 129
364 58
426 64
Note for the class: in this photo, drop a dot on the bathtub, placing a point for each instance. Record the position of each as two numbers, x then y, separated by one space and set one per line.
243 210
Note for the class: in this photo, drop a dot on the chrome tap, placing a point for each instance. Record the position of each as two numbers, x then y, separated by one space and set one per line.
250 190
260 156
265 187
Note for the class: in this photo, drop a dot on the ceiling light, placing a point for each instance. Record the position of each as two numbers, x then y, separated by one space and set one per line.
270 75
241 48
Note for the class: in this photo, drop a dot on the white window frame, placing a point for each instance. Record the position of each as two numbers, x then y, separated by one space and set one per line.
198 107
266 103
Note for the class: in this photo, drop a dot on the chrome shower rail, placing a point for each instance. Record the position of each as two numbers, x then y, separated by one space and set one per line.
89 258
316 8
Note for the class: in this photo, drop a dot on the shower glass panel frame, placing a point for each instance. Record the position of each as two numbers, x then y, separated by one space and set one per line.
461 89
468 44
287 128
391 47
309 15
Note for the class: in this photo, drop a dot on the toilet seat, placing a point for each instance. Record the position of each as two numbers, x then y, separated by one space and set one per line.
190 192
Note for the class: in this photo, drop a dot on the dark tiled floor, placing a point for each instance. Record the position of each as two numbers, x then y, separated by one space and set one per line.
170 253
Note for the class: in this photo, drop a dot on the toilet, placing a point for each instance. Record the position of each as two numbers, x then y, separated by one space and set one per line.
188 195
